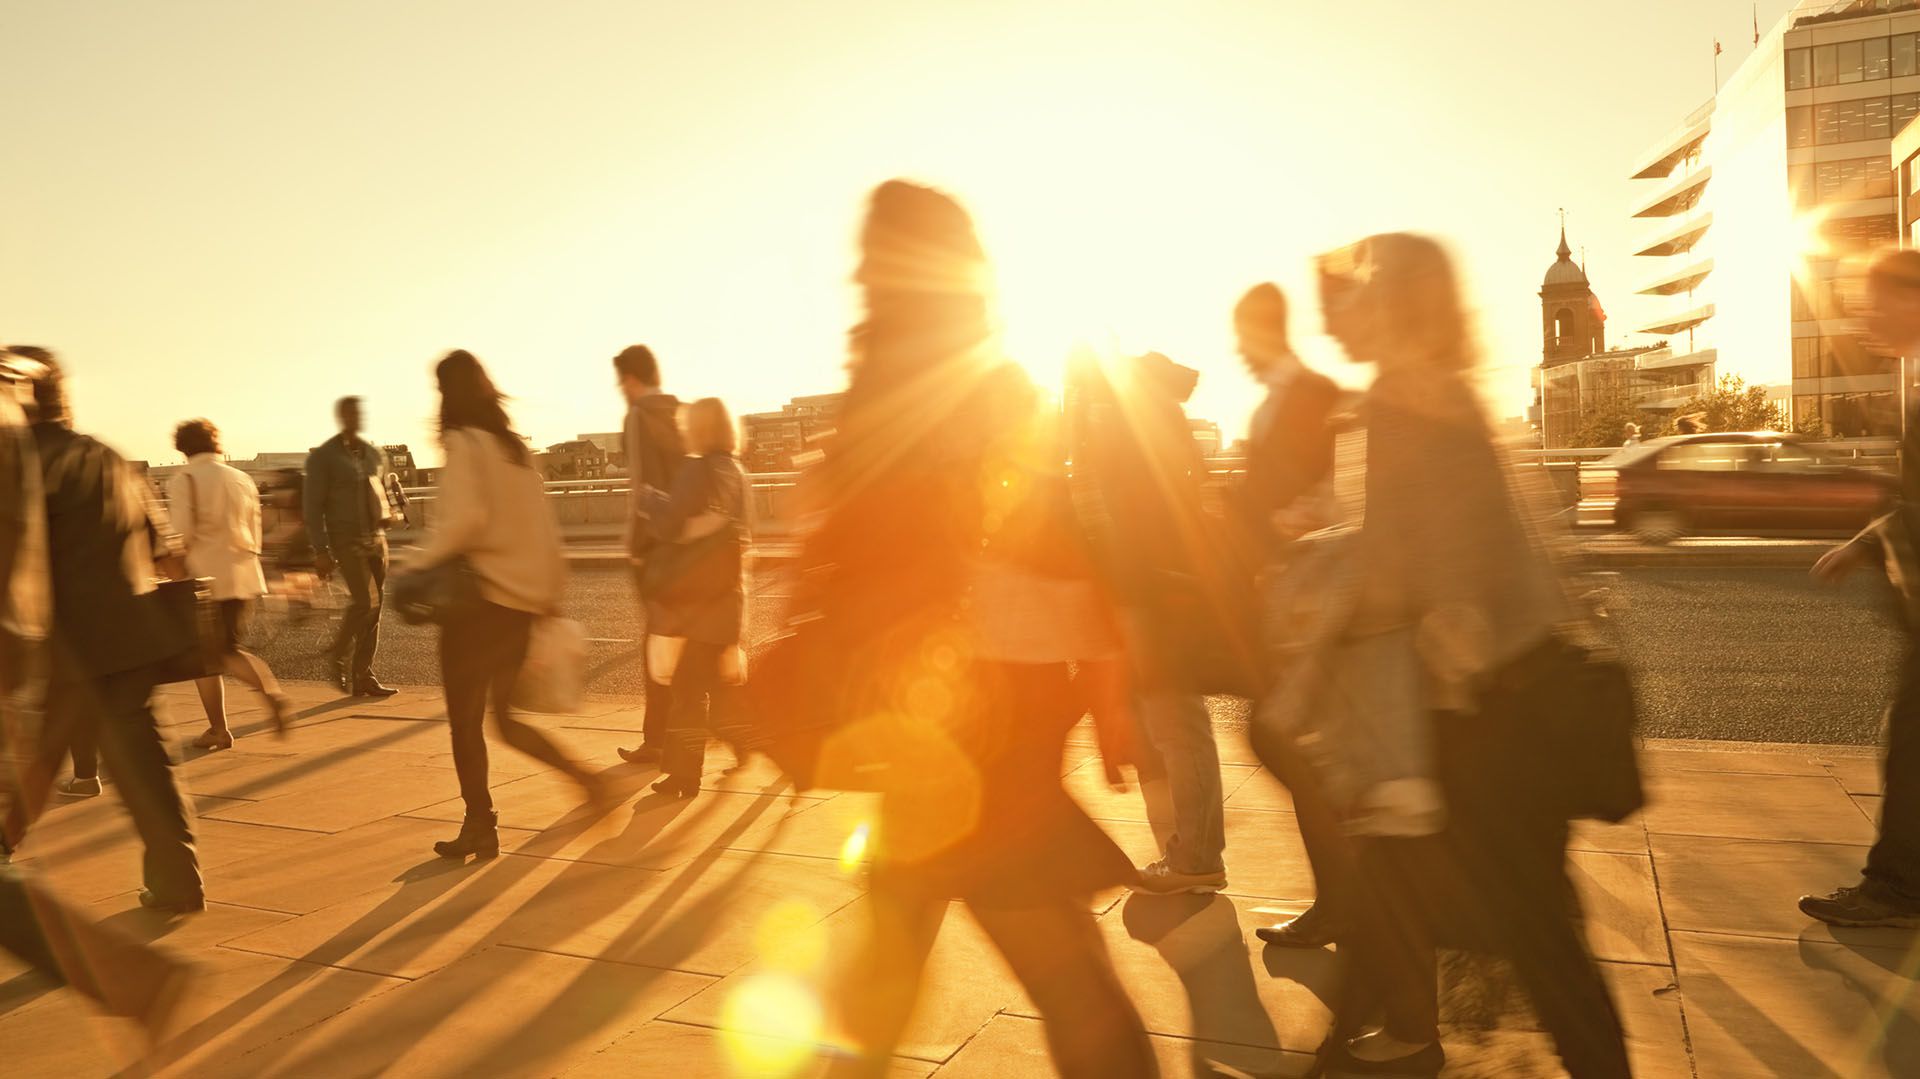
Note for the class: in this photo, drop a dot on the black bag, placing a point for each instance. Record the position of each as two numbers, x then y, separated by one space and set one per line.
703 566
1574 713
441 594
799 693
188 609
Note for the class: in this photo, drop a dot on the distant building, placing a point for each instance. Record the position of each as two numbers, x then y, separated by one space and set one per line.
578 459
614 445
1579 377
779 441
1769 192
400 463
1206 435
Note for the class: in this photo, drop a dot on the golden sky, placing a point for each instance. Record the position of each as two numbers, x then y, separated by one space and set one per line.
245 210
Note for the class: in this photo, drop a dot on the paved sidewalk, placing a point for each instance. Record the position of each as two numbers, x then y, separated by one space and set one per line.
693 938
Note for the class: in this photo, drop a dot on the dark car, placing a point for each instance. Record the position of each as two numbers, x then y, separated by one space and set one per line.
1747 483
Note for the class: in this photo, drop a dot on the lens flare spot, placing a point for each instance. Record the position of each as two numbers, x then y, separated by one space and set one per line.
854 851
790 939
770 1026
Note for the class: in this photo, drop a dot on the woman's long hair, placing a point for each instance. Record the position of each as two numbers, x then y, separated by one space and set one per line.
468 398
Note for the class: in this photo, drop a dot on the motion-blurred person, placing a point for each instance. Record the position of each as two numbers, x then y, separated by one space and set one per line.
909 486
1630 435
347 516
492 511
1143 503
1889 891
109 640
1690 424
1449 567
696 608
125 976
651 436
216 509
1283 496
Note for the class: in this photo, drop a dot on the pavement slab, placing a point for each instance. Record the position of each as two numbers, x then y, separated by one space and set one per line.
696 1052
1750 887
1013 1045
1808 1007
1743 805
1621 906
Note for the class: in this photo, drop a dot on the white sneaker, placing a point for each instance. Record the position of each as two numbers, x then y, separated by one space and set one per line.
1162 879
81 788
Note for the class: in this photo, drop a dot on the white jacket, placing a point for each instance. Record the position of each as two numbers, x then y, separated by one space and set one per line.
216 509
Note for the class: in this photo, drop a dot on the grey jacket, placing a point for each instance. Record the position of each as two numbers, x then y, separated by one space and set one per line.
341 506
652 439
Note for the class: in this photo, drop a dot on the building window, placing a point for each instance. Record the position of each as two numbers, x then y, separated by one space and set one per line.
1799 127
1902 48
1851 61
1855 178
1826 67
1849 415
1905 107
1802 185
1800 67
1874 52
1875 109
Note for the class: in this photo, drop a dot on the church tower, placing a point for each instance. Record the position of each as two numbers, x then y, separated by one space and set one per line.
1572 326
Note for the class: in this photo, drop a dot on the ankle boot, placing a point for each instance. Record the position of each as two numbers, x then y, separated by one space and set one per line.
479 836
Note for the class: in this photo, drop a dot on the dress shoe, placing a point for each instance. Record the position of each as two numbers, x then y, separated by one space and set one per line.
1311 928
642 754
165 905
371 687
676 787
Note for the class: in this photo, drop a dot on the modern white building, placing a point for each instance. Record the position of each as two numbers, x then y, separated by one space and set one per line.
1763 202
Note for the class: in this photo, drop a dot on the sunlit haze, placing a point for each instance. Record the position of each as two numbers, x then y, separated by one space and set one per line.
245 210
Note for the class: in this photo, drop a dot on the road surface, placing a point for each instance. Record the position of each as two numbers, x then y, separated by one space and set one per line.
1747 653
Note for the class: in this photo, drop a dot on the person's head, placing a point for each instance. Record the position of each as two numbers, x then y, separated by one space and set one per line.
1393 300
1630 430
1893 301
707 427
1159 375
1689 425
926 283
468 399
348 412
1260 325
195 437
638 372
38 370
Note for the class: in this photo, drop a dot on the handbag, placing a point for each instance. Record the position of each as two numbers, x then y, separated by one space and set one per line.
553 678
691 566
441 594
1571 711
799 700
187 608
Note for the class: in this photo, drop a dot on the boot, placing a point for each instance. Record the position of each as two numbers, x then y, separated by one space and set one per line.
479 836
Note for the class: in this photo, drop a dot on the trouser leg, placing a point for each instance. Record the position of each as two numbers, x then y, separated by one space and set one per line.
1182 733
694 679
62 717
659 698
877 992
136 758
1093 1029
466 660
1894 861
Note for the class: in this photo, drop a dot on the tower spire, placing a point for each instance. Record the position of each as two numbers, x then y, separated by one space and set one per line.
1563 250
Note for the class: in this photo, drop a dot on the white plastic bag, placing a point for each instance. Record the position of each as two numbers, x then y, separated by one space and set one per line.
554 676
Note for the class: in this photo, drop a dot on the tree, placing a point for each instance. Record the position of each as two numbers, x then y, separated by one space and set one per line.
1606 425
1732 405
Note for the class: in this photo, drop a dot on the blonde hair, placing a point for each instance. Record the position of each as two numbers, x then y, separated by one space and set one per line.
1408 281
709 427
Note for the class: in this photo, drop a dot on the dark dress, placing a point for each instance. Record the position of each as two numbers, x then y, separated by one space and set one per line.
982 815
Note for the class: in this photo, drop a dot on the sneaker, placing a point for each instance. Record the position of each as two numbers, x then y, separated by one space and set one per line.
80 788
1162 879
1862 905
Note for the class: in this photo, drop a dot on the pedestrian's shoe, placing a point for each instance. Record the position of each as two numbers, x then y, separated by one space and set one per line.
212 739
80 788
676 787
280 709
1357 1057
342 677
371 687
1862 905
641 754
154 901
479 836
1311 928
1162 879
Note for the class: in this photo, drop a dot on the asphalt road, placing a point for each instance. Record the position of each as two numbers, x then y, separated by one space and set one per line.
1753 653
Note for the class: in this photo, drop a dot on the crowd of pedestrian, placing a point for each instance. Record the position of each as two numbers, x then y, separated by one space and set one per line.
983 567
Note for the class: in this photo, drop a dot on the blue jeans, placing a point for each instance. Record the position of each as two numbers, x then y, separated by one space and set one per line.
1182 734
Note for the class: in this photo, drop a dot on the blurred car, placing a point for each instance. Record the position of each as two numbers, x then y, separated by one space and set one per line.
1743 482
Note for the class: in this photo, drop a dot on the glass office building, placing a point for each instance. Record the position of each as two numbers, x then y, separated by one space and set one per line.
1769 198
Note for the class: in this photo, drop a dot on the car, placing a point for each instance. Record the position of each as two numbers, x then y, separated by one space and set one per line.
1747 482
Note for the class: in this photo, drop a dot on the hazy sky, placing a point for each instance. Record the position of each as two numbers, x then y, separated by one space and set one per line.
244 210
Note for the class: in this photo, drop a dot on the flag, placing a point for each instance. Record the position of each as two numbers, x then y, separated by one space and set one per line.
1716 46
1599 313
1756 24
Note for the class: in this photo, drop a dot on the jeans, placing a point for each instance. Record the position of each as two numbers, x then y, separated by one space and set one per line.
1181 731
1894 862
659 698
702 701
480 657
362 566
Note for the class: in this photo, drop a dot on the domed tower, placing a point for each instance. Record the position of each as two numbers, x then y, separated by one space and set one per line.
1571 325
